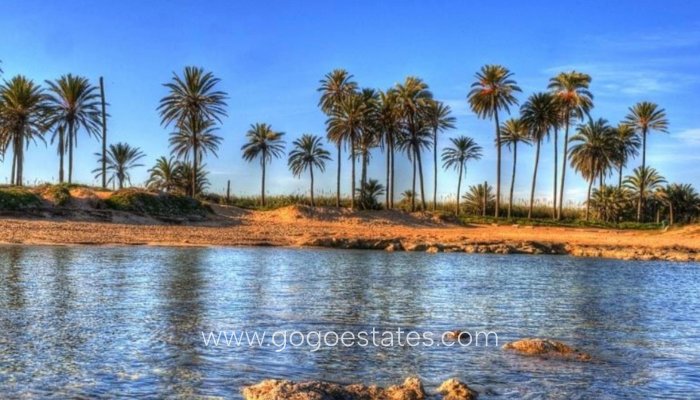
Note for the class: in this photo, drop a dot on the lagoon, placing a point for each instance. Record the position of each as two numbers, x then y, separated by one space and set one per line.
128 321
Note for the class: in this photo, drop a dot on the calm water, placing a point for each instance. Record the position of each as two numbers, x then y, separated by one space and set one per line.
116 322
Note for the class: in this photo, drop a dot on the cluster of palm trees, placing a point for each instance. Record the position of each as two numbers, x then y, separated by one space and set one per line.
403 119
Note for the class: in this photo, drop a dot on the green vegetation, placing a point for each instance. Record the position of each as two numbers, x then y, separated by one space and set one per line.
59 194
16 198
154 204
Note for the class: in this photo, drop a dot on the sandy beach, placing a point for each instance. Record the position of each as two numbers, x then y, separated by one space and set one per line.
328 227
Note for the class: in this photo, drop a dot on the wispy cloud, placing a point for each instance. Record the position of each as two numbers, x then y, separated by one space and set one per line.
689 136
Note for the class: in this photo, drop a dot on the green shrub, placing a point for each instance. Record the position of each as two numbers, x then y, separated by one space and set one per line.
14 198
155 204
59 194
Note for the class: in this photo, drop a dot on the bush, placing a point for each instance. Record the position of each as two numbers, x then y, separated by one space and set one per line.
15 198
59 194
155 204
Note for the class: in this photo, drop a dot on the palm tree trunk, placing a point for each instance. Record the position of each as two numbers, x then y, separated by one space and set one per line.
352 186
670 213
104 134
534 180
512 179
588 198
619 182
485 199
388 171
391 197
435 169
194 165
13 177
337 191
563 167
498 166
311 172
262 192
420 174
413 190
20 163
71 134
641 183
61 151
556 153
459 183
363 179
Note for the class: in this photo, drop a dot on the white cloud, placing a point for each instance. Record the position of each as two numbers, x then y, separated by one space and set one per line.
689 136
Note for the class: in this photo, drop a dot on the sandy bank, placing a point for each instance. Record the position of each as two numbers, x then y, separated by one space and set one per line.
384 230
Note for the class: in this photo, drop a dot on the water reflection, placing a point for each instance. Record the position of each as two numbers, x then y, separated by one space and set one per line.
114 322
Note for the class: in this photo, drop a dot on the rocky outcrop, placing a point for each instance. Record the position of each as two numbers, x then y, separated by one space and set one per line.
546 348
452 389
411 389
508 247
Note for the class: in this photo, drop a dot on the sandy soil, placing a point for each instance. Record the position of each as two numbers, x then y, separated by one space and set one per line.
390 230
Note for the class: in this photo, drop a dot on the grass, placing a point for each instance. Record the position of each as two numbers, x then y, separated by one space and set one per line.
16 198
59 194
155 204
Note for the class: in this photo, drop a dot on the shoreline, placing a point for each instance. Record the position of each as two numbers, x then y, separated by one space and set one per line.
301 226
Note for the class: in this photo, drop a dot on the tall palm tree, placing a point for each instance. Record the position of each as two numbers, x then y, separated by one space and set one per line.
196 137
493 91
344 125
593 152
23 114
308 153
335 86
514 131
390 125
75 104
456 156
628 145
575 100
263 143
414 97
643 182
646 117
191 100
164 175
439 119
120 159
539 114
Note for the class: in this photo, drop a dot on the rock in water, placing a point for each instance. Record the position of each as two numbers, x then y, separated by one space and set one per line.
452 389
546 348
411 389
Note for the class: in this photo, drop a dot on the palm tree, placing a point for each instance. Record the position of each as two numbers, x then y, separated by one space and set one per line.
335 86
439 119
75 104
493 91
344 125
539 113
193 102
628 144
368 194
682 201
479 198
263 143
646 117
414 97
186 178
22 119
196 137
120 159
593 152
610 202
575 100
164 175
514 131
456 156
390 125
308 152
643 182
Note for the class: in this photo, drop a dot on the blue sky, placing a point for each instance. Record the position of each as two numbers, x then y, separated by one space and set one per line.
271 55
